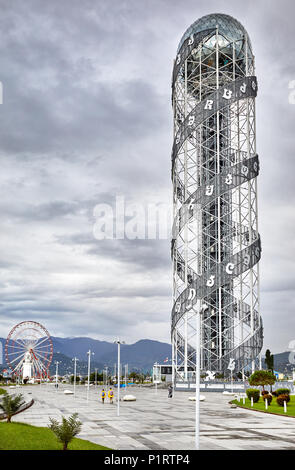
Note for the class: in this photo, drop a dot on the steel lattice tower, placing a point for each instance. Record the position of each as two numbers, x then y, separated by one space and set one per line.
215 244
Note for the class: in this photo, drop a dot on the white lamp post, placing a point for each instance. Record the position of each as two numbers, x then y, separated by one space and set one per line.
75 373
200 310
126 369
231 367
95 377
118 381
106 376
56 373
88 382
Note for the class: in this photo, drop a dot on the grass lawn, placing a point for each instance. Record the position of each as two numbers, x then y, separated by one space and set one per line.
19 436
272 408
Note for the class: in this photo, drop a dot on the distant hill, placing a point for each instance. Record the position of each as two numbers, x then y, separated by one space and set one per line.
66 365
79 346
139 356
281 362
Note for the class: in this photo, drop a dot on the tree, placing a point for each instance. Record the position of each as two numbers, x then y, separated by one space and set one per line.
67 430
262 378
99 377
11 404
269 361
73 377
135 376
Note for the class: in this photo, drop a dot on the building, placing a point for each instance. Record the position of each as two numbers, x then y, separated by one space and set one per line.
162 373
215 243
27 366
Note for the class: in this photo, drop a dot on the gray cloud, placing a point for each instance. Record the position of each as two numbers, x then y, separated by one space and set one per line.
41 212
87 116
141 254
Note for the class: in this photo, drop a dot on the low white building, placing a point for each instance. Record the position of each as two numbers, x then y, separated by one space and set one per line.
27 366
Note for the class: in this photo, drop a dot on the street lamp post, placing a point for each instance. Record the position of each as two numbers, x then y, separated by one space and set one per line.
200 310
105 376
118 381
75 374
88 382
231 367
56 374
126 369
95 377
231 380
156 365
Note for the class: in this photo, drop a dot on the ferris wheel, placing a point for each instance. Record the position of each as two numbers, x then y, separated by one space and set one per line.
29 343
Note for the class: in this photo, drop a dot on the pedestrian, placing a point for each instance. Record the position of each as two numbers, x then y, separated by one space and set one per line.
111 395
103 395
170 391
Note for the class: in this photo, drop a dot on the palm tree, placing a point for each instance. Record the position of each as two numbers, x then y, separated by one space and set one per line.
67 430
11 404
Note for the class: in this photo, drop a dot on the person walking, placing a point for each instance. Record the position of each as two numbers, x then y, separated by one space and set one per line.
111 395
103 395
170 391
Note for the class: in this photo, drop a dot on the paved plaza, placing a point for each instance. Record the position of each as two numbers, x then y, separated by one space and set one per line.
155 422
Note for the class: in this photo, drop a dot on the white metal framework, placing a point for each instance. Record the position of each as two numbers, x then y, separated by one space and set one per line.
215 245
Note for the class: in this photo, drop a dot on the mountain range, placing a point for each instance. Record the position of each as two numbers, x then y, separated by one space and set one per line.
139 356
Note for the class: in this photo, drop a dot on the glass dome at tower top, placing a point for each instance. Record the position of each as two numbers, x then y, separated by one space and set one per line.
227 25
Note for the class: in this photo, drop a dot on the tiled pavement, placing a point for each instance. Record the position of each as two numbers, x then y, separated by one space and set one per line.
156 422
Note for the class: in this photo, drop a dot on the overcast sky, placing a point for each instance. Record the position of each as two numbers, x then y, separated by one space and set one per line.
87 117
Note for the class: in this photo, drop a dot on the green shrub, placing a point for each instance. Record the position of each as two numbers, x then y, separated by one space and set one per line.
267 397
282 391
253 393
2 391
262 378
11 404
282 398
66 430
